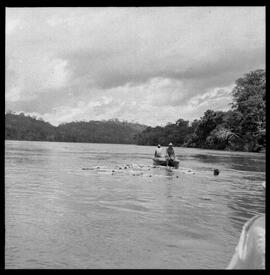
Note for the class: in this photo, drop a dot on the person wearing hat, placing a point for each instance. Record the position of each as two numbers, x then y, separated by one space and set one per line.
170 155
158 152
250 251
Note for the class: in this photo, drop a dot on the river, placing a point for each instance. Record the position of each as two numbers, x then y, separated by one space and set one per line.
83 205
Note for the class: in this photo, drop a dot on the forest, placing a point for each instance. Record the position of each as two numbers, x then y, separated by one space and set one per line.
242 128
22 127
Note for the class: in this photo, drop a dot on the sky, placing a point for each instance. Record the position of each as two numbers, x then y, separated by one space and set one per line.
150 65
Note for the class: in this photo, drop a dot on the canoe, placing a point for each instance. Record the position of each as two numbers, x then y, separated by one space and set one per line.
163 162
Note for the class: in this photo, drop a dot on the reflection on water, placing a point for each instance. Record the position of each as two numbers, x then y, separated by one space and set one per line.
245 203
241 163
71 205
245 197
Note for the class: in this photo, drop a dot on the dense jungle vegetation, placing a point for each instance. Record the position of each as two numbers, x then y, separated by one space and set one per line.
242 128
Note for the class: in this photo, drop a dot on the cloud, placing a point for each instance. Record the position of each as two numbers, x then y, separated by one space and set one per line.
139 103
11 25
141 64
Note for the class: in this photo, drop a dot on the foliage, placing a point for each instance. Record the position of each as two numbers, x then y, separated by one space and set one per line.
249 99
242 128
21 127
173 132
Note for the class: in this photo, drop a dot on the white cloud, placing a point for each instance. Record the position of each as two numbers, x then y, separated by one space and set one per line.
11 25
138 103
13 94
152 65
57 74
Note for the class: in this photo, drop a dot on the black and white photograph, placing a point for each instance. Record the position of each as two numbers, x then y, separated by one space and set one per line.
135 137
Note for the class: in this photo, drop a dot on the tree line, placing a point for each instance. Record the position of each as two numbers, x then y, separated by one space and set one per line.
242 128
22 127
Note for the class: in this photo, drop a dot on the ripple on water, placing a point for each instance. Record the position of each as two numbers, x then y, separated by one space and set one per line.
62 211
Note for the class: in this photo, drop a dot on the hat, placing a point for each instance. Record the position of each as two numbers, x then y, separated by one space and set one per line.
158 146
170 144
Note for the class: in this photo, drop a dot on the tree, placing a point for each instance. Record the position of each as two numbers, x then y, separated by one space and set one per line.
182 123
241 128
207 124
249 99
23 127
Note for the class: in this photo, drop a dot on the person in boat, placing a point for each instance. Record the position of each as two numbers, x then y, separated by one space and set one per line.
250 251
170 155
158 152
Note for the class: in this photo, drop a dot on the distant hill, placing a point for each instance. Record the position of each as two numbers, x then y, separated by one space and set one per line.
21 127
242 128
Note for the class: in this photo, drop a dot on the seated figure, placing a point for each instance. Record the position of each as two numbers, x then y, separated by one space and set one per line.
158 152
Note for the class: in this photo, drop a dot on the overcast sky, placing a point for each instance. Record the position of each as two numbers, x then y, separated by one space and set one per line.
148 65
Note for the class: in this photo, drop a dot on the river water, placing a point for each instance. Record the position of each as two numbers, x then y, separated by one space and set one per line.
80 206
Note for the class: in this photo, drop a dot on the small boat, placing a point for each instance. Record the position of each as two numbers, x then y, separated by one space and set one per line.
163 162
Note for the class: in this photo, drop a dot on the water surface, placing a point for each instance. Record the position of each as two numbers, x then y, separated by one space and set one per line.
78 205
